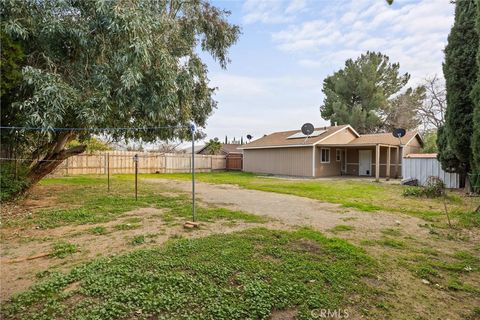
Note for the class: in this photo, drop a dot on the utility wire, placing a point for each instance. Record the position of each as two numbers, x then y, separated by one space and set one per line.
92 129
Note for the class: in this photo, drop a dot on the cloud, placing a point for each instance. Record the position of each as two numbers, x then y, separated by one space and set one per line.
260 105
412 33
272 11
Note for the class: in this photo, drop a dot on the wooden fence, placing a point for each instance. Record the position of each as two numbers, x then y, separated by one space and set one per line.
148 162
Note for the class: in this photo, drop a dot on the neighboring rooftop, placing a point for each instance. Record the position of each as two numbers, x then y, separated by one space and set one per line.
421 155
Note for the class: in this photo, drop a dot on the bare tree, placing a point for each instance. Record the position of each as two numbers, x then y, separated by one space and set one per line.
432 112
167 147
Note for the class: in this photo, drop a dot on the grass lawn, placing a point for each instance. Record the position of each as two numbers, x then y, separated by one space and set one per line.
84 199
236 276
361 195
111 257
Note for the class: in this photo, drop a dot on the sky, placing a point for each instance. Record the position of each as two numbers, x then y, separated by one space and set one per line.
287 47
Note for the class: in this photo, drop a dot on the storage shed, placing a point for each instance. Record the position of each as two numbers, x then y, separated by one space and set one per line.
420 166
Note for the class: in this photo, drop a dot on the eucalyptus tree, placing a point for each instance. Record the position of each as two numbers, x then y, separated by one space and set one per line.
91 64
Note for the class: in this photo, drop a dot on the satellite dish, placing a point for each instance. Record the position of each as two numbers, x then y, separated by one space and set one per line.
307 129
249 137
399 132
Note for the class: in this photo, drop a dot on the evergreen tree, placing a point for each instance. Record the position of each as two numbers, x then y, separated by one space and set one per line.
358 93
454 139
475 95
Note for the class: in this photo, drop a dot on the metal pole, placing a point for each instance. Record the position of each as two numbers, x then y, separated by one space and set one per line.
136 176
193 173
108 171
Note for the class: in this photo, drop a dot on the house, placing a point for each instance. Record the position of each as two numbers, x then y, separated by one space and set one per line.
329 151
227 148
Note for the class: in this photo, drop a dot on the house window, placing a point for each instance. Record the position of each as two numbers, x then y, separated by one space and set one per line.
325 158
338 155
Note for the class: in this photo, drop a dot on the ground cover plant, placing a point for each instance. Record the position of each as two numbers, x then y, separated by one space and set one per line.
85 200
360 195
234 276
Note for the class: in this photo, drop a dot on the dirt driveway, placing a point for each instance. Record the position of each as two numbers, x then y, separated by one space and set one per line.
298 211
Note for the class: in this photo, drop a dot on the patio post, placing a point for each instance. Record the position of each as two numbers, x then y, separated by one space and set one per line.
388 163
377 163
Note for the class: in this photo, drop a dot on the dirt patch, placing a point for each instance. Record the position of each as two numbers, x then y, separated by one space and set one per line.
19 244
284 314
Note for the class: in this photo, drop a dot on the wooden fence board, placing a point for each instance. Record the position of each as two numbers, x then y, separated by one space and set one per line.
122 162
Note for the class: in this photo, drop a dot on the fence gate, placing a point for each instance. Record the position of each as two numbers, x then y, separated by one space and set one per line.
234 161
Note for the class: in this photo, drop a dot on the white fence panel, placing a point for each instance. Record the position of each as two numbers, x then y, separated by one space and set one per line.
422 168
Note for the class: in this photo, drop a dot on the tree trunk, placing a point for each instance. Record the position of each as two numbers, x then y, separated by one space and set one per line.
56 154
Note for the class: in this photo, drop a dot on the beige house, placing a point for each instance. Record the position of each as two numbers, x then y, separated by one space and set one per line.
329 151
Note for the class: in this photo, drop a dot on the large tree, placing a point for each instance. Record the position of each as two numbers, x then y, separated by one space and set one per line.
460 71
402 111
475 95
111 64
358 93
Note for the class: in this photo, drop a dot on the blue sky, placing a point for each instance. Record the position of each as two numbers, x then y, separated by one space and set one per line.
288 47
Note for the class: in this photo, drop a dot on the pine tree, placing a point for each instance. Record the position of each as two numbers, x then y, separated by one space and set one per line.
459 68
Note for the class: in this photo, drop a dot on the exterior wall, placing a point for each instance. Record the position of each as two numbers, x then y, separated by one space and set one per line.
334 168
294 161
352 161
422 168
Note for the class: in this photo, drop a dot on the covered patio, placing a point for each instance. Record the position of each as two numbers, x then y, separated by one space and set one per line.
376 160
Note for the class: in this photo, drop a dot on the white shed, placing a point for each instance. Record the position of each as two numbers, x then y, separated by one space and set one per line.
420 166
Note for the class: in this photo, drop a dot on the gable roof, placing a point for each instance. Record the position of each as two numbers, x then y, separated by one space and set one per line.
386 138
231 148
281 139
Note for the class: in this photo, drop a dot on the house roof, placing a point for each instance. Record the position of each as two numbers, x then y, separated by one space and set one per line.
231 148
280 139
385 138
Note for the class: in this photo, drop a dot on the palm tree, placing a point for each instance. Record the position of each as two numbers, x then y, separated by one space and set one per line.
213 146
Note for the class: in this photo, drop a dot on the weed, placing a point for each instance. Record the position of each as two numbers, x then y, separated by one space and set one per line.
62 249
341 227
137 240
222 276
98 230
127 226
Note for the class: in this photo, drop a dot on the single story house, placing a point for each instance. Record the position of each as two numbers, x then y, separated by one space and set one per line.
227 148
330 151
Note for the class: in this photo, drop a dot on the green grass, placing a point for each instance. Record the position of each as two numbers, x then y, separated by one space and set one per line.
85 200
229 276
62 249
137 240
341 227
98 230
360 195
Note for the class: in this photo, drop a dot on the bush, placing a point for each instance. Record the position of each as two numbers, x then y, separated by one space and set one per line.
9 185
434 187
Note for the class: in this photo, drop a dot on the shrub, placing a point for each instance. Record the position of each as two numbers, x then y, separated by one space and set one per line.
10 185
434 187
